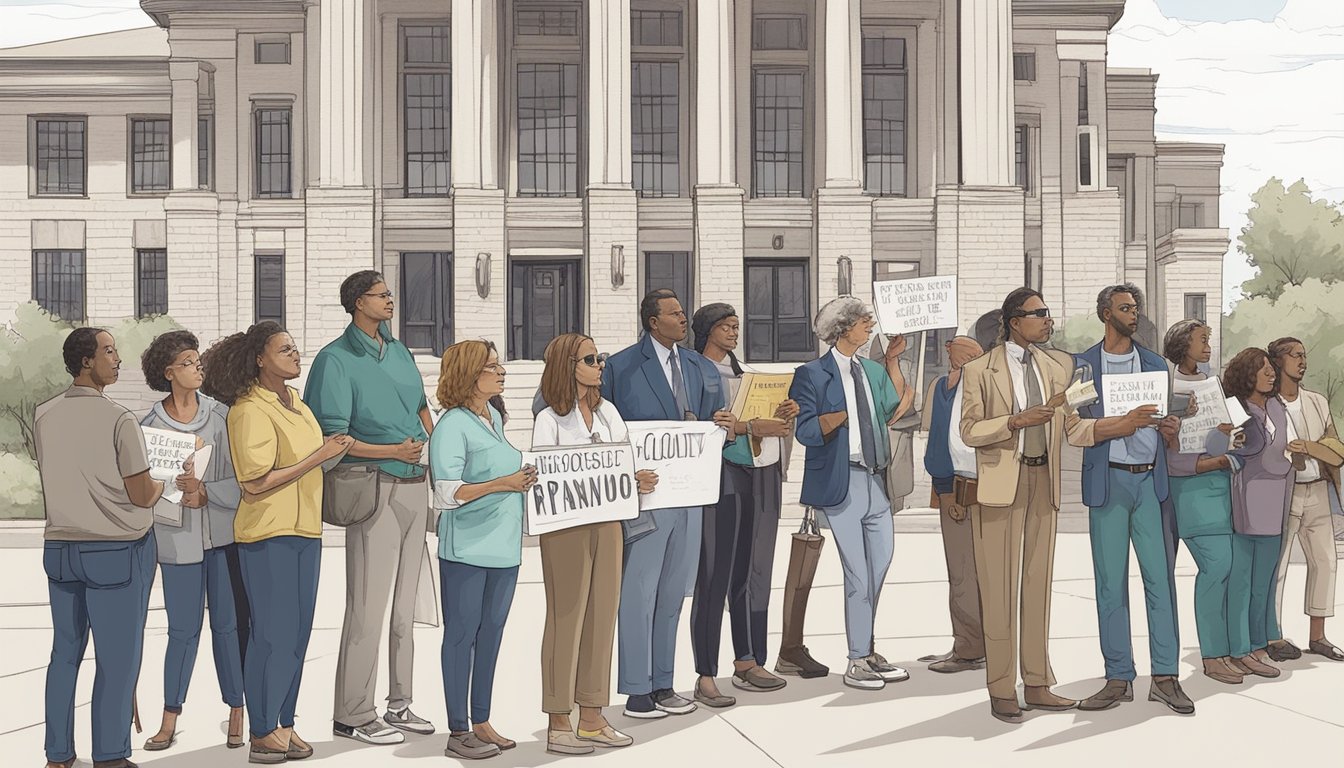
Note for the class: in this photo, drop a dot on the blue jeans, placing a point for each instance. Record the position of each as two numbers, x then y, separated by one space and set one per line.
184 595
1133 513
1251 618
280 576
865 540
103 586
476 604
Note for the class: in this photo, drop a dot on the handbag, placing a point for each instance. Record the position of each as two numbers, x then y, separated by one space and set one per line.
803 559
349 494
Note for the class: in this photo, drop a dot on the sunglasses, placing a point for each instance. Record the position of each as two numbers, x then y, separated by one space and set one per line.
1042 312
593 361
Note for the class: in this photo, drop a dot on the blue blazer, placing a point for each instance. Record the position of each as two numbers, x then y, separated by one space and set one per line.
633 381
1097 458
817 389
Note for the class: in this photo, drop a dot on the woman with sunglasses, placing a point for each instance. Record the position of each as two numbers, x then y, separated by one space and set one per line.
581 566
479 482
197 555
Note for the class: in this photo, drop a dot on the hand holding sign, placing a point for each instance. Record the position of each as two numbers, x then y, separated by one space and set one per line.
519 481
919 304
647 480
895 346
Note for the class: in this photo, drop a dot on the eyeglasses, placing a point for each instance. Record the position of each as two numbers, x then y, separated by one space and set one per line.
593 361
384 295
493 368
190 364
1043 312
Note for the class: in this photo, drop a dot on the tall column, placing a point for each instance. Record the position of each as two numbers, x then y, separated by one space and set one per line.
341 75
185 78
987 93
478 199
609 93
717 197
843 72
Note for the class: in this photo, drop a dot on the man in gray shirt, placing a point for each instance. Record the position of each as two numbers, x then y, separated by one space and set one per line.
99 551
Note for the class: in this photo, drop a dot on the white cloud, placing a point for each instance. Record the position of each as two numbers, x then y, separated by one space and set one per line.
1270 91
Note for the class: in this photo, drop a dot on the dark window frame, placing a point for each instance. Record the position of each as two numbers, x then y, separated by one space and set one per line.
430 70
1024 66
893 182
36 124
664 19
43 286
549 13
441 325
259 160
1202 299
138 166
205 152
270 44
797 37
518 314
546 160
686 296
749 319
275 258
1022 157
151 302
802 151
655 165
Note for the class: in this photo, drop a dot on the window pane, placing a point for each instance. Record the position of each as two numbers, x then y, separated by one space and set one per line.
58 283
532 21
273 153
205 140
548 121
426 44
1020 148
151 266
1084 160
1024 66
60 157
654 127
670 269
778 136
427 132
778 33
655 27
273 52
269 291
150 152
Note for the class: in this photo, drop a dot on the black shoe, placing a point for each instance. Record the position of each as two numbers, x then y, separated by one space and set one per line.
641 706
1283 650
1114 692
797 661
1168 691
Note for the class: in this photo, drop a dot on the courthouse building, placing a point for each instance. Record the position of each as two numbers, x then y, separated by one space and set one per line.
523 168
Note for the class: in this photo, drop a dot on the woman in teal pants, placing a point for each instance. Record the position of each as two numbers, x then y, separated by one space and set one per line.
1201 495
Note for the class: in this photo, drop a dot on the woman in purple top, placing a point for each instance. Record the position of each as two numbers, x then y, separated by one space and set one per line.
1260 493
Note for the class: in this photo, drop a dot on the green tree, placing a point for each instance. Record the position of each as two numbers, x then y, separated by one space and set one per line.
1290 238
1078 334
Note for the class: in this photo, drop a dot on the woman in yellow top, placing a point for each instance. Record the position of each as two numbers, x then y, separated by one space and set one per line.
277 450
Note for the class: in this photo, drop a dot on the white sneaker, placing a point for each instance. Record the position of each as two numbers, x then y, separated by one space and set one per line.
861 676
372 732
887 671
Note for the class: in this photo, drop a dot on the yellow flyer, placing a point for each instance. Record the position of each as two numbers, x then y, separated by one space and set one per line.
759 394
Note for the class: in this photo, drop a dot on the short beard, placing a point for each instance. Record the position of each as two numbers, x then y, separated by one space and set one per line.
1121 328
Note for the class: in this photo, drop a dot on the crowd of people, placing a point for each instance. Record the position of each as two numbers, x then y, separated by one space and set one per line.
361 448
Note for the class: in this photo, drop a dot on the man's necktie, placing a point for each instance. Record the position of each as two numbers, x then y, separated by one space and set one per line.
678 386
866 437
1034 441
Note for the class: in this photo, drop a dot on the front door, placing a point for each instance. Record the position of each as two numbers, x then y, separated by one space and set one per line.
544 303
426 301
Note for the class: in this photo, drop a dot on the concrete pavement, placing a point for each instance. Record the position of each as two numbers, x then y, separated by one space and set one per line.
930 719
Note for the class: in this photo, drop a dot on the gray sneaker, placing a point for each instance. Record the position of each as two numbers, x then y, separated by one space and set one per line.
886 670
860 675
469 746
668 701
406 720
372 732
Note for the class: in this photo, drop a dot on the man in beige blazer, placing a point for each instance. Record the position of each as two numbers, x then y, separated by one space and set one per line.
1013 416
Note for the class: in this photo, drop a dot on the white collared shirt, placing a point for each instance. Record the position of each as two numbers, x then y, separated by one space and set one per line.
1017 372
851 404
665 360
963 456
550 429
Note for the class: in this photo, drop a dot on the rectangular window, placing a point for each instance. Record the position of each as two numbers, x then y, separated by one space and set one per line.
1196 306
655 117
778 322
777 140
778 33
427 89
58 283
655 28
151 150
1022 156
1087 156
205 147
426 301
60 158
548 130
1082 94
884 115
1024 67
671 269
272 52
541 21
1190 216
151 282
269 288
274 153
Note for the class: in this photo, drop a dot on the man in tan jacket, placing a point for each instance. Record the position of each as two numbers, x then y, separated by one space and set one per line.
1013 414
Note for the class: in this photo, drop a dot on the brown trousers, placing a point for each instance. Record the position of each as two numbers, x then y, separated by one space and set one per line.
1016 545
963 590
582 571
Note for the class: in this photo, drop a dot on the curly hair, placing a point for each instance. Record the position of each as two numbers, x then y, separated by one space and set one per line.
162 351
1109 292
1240 374
1176 344
838 316
80 345
231 363
462 365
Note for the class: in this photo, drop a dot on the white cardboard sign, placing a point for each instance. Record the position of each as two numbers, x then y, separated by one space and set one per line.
916 304
688 457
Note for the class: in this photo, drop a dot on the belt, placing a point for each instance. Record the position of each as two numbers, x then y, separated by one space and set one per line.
387 478
1035 461
1133 469
868 470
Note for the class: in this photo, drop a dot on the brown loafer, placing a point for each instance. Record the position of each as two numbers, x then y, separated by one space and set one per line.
1217 669
271 749
1256 667
1325 648
1041 697
1006 710
756 679
1111 694
298 748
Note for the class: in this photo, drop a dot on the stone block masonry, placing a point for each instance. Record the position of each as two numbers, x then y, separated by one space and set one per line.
193 265
338 240
719 244
980 238
844 229
478 227
1093 248
610 218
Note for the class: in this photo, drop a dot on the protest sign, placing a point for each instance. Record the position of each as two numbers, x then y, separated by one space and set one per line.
759 394
1123 392
917 304
1211 410
688 457
168 451
579 485
1236 412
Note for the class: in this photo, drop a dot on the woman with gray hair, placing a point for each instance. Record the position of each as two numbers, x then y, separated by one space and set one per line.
1201 497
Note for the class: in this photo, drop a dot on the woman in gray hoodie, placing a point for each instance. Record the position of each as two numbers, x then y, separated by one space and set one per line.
195 537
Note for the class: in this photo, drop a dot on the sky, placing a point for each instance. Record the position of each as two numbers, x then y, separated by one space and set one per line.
1263 77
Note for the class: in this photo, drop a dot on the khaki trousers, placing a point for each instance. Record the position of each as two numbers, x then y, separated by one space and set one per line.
1016 545
1309 522
963 589
581 568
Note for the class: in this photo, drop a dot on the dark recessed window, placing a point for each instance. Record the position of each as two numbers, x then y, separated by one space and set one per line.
537 21
268 291
1024 66
58 283
427 89
151 282
885 103
60 157
272 52
778 33
275 152
151 148
655 120
655 28
777 140
548 130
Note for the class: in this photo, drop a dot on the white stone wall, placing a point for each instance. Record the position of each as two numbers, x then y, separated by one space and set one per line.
338 240
610 219
980 239
719 245
844 228
1092 249
478 227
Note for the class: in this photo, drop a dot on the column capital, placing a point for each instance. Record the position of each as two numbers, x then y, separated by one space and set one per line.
188 69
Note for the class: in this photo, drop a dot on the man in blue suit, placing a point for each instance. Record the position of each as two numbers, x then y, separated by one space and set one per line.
1124 485
845 404
656 380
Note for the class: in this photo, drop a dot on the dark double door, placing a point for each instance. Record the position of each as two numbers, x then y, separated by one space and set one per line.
545 301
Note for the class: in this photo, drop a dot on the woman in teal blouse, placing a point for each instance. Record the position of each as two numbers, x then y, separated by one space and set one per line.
479 483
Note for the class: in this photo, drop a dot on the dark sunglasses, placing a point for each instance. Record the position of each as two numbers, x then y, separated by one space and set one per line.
1042 312
592 361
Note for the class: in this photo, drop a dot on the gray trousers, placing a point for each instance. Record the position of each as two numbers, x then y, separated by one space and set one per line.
656 576
865 539
382 563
